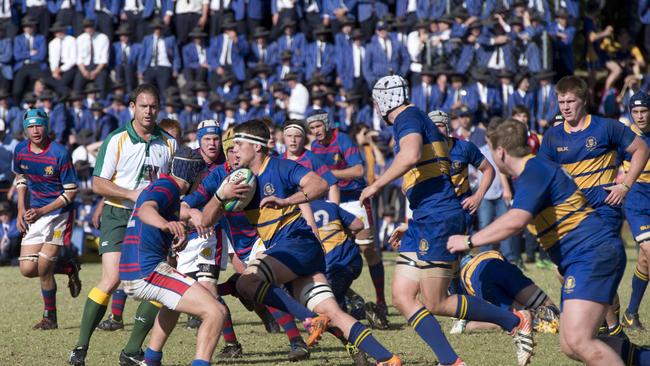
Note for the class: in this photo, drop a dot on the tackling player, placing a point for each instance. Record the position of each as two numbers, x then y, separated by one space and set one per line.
587 147
342 157
295 255
44 169
591 260
424 266
637 210
153 231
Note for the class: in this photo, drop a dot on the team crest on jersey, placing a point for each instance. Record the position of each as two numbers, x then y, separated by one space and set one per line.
269 189
456 165
569 284
591 143
424 245
49 170
206 253
24 167
337 157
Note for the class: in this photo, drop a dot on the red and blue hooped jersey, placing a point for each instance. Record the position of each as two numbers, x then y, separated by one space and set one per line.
311 161
48 173
145 246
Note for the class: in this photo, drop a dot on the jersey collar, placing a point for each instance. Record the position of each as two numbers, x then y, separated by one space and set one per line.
135 138
567 128
265 163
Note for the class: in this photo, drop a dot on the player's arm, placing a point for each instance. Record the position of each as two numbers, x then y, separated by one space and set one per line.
353 172
639 151
474 201
66 198
355 226
214 209
334 194
308 215
148 214
194 217
21 188
108 189
312 186
503 227
409 154
105 169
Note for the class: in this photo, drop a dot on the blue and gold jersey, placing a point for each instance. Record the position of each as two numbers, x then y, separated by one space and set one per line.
643 182
471 269
637 201
562 218
332 220
462 155
590 156
428 185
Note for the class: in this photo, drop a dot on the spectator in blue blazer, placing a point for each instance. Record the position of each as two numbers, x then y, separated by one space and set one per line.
10 236
263 74
291 40
458 94
171 107
562 35
524 96
526 52
546 107
228 52
320 55
6 60
284 13
190 115
30 52
350 55
488 103
221 11
384 55
119 109
471 52
68 13
124 58
160 59
367 13
288 66
426 95
10 114
104 13
156 10
214 110
38 11
227 86
102 122
195 57
261 50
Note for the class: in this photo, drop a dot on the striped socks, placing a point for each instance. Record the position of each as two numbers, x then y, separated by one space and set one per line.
428 328
639 285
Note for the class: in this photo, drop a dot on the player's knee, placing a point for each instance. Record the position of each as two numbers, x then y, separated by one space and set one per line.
247 285
401 299
29 265
207 274
315 293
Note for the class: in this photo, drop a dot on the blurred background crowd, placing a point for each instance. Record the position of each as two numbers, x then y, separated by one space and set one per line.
233 60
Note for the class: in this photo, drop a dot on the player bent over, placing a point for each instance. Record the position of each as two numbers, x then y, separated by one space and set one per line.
637 210
44 167
152 232
591 260
295 255
424 266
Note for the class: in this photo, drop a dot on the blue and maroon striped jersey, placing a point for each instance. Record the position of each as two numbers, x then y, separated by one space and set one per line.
145 246
342 153
312 162
48 173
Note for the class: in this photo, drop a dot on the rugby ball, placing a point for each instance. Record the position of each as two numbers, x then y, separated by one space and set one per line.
236 205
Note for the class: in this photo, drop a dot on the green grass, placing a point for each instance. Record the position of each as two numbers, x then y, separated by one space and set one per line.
20 306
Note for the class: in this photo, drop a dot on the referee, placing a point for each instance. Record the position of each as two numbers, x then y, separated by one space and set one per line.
130 158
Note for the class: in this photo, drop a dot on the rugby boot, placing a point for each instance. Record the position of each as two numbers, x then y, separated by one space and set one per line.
358 356
632 321
78 356
74 282
394 361
376 316
46 324
522 336
317 327
132 359
193 322
458 362
298 350
458 326
111 324
232 350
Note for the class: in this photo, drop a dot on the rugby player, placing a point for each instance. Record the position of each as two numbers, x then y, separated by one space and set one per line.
153 231
343 158
424 266
637 211
44 168
587 147
592 260
120 177
295 255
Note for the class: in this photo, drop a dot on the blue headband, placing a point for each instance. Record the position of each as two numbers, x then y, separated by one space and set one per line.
210 130
640 99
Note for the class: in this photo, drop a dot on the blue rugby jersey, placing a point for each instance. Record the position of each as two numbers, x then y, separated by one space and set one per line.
563 219
428 185
48 173
312 162
145 246
590 156
332 220
342 153
277 177
192 233
470 270
462 154
639 195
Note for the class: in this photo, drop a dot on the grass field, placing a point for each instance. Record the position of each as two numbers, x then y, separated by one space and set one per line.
21 305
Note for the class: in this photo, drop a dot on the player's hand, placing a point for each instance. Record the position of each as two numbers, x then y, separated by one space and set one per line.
507 198
274 202
196 216
134 194
395 239
20 223
471 203
232 190
97 216
177 229
367 193
32 215
457 243
616 194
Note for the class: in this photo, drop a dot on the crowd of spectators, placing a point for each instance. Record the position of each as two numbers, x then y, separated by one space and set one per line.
233 60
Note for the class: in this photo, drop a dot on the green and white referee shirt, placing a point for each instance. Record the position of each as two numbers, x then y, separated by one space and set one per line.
131 162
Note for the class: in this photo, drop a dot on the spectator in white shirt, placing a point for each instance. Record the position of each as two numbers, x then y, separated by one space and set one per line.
298 97
92 59
62 55
189 14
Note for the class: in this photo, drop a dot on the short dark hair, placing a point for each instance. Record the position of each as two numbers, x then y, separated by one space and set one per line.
573 84
144 88
256 127
521 109
511 135
167 124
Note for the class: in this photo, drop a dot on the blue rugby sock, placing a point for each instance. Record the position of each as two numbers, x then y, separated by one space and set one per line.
361 337
639 285
276 297
152 358
428 328
200 363
473 308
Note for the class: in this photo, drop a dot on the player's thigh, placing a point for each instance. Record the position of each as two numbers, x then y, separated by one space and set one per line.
28 260
405 292
434 292
198 301
279 272
47 258
579 320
